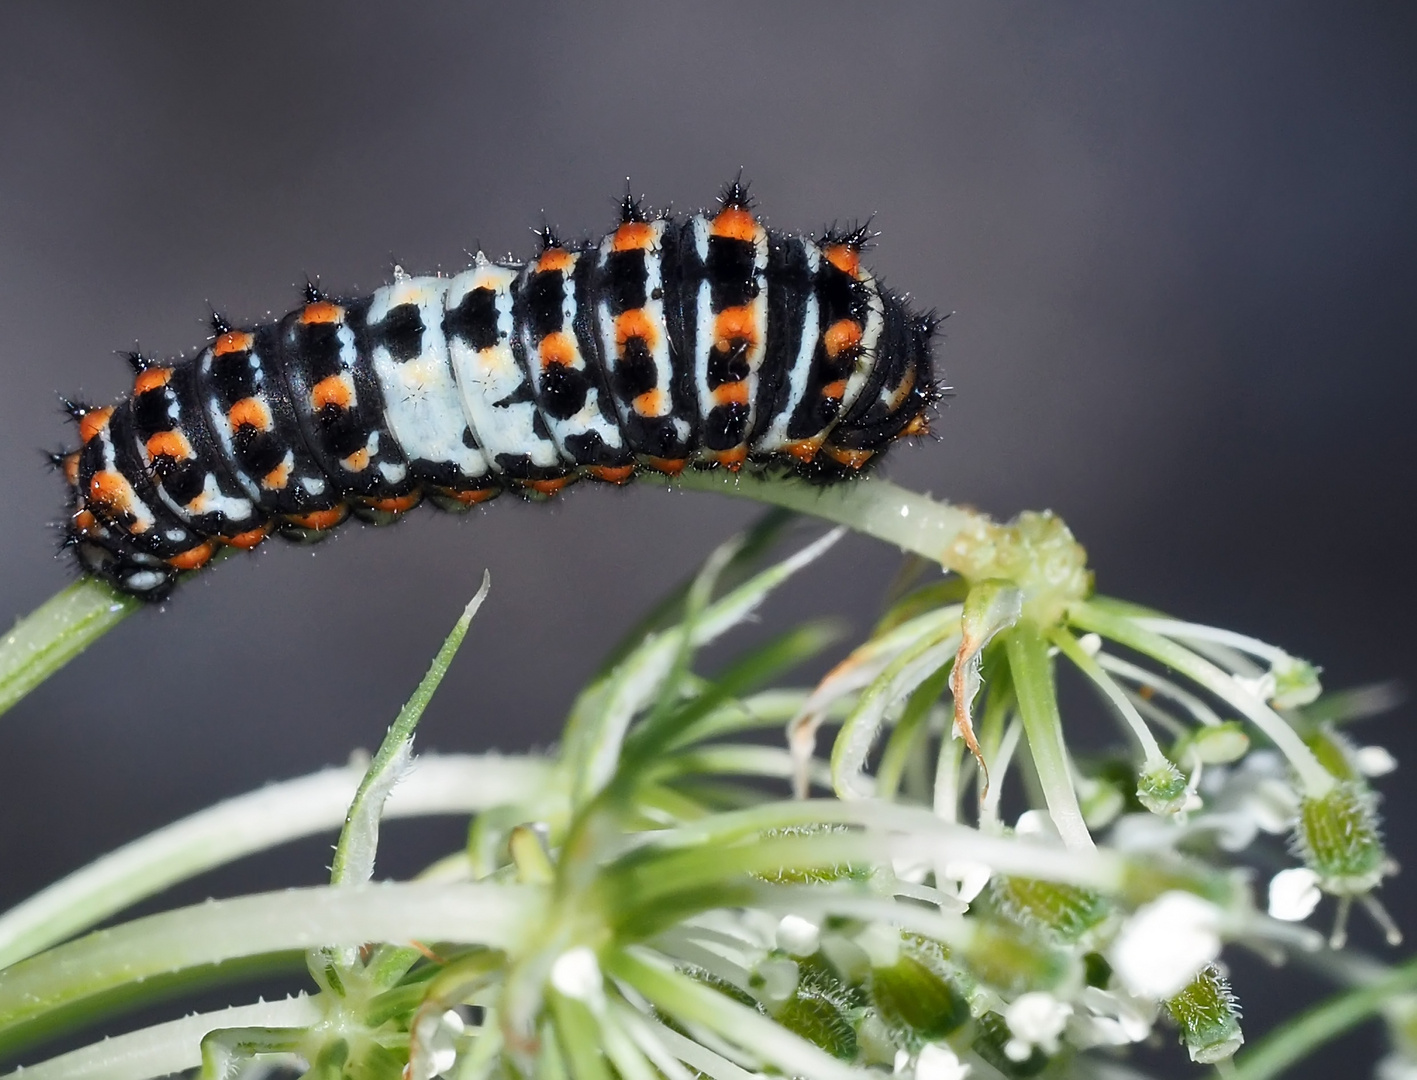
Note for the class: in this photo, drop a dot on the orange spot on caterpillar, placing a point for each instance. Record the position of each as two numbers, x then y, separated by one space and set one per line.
277 478
172 444
555 259
558 348
634 323
319 520
804 450
633 236
612 474
357 461
732 459
668 466
845 258
835 389
193 558
154 378
321 311
917 426
249 539
650 403
334 390
111 491
734 393
735 324
842 335
91 423
549 487
249 412
735 223
84 521
471 498
852 459
233 341
396 505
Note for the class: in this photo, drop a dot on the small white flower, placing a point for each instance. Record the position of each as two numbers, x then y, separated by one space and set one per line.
1374 760
779 979
576 974
1037 824
881 943
970 876
939 1062
1164 945
1090 644
1293 894
1035 1019
1261 686
433 1045
796 936
1114 1019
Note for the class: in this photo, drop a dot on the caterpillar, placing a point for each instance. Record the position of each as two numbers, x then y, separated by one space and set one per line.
705 341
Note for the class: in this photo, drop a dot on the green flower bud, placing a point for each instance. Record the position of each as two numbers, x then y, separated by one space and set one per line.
1013 960
1162 789
915 999
1209 1018
1296 682
1062 912
1337 836
1219 744
820 1021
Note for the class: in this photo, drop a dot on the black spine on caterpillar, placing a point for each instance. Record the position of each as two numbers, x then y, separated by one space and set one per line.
706 342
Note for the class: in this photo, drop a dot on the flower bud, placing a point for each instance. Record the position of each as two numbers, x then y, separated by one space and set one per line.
1219 744
1209 1017
819 1020
1337 836
1013 960
915 999
1162 788
1063 912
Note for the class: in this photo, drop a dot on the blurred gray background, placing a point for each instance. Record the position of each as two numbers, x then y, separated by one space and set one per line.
1178 241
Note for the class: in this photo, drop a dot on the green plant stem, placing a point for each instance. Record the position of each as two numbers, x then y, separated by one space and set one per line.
1295 1039
452 784
1031 670
1316 779
214 932
164 1049
57 631
871 506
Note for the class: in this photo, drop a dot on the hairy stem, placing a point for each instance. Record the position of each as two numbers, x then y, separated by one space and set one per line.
57 631
874 507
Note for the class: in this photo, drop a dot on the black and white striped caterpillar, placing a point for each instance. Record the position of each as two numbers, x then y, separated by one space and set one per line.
707 341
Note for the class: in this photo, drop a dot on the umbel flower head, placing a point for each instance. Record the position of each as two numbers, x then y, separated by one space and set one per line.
668 896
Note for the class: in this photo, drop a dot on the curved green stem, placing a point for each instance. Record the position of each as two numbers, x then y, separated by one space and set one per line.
179 1045
1293 1041
1032 673
455 784
57 631
874 507
223 930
